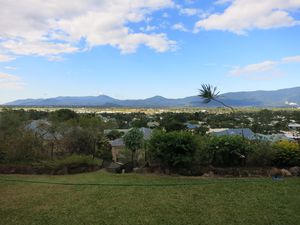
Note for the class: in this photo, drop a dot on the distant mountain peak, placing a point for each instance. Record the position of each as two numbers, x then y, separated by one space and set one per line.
156 97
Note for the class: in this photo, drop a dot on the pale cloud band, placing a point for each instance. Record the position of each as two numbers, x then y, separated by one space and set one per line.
263 66
253 68
291 59
8 81
6 58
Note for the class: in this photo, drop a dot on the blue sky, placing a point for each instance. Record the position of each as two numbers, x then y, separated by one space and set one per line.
141 48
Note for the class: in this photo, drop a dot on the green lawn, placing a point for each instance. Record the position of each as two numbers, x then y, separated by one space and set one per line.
147 199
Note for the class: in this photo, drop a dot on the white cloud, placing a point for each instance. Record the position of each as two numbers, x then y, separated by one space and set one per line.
293 104
5 76
10 68
244 15
253 68
222 2
55 27
8 81
180 27
291 59
189 11
148 28
265 69
5 58
39 48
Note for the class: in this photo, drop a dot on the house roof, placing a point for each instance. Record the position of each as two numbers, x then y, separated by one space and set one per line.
117 143
40 127
153 124
246 132
215 130
272 137
191 126
294 125
147 132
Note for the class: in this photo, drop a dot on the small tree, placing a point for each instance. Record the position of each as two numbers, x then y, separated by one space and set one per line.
133 141
104 151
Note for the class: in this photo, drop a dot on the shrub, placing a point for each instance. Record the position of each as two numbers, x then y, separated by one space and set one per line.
104 150
287 153
173 150
174 125
2 154
79 141
114 134
78 160
75 163
203 156
261 153
25 147
63 115
228 150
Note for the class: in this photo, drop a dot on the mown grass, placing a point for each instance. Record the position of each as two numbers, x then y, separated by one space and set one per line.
147 199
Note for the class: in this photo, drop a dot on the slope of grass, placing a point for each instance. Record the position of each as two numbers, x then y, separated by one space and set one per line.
136 199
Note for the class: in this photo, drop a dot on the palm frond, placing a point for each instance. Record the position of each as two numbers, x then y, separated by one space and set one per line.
208 93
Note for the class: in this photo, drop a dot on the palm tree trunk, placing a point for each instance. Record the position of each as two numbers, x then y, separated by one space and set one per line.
233 110
227 106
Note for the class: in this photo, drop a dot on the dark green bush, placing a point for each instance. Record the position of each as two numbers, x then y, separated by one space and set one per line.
63 115
203 155
228 150
104 150
261 153
70 163
79 141
2 155
173 150
22 148
287 154
114 134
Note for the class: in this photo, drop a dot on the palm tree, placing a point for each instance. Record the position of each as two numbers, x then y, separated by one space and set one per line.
210 93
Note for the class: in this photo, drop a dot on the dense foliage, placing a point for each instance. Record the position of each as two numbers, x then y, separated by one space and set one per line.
31 136
174 149
184 150
228 150
35 136
287 154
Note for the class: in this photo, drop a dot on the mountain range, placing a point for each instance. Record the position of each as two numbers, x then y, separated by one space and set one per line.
277 98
